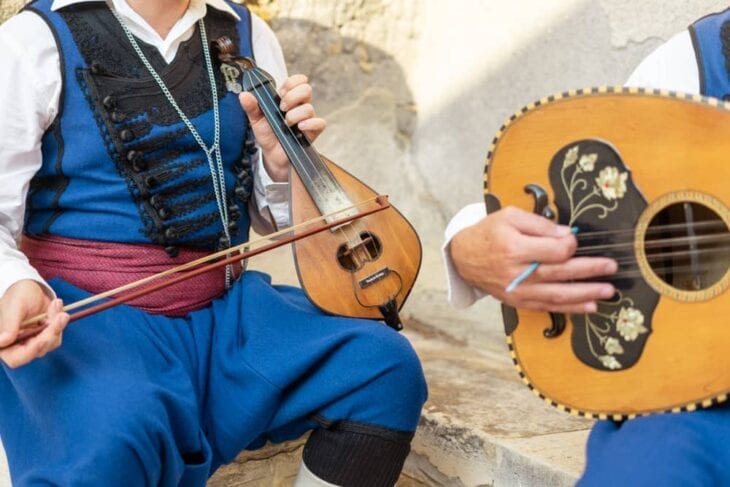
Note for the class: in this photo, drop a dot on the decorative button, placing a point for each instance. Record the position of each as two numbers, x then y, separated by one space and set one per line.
224 242
126 135
109 102
249 145
172 251
241 193
233 227
139 165
118 117
156 201
170 233
95 68
233 212
151 181
133 155
164 213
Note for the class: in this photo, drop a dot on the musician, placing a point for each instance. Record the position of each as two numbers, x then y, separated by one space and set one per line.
483 255
110 165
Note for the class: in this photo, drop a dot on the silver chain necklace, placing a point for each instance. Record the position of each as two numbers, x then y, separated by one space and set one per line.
214 151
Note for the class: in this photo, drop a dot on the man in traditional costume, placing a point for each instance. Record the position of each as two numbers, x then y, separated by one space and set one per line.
123 154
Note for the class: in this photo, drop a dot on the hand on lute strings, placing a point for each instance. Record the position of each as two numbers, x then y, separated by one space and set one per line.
490 254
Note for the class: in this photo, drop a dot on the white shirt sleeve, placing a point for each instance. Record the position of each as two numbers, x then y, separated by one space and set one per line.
460 293
272 198
672 66
28 104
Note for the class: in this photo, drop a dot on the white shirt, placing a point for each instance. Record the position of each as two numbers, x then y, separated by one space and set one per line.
672 66
30 87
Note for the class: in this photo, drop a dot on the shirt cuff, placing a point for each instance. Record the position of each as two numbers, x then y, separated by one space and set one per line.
12 271
460 293
272 198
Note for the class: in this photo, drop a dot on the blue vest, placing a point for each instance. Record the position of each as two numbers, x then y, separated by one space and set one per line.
118 163
711 39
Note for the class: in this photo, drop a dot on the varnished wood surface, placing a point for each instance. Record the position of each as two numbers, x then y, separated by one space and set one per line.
669 145
334 289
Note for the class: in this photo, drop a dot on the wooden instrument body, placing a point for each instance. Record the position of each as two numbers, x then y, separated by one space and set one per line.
669 145
363 269
337 290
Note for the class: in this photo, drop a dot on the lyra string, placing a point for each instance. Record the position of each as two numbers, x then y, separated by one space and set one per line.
323 187
307 168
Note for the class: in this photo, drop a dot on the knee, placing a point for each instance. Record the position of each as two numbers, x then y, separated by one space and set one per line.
408 372
401 381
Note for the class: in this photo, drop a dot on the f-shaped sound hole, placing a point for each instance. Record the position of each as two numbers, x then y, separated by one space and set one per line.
353 255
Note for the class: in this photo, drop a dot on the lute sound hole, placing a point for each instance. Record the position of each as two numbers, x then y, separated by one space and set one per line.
686 249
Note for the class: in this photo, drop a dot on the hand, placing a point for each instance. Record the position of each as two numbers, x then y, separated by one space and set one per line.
296 97
490 254
21 301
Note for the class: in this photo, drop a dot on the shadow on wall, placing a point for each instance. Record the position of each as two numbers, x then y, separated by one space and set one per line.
371 114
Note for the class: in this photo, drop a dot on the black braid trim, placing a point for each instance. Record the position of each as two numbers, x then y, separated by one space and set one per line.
124 97
725 39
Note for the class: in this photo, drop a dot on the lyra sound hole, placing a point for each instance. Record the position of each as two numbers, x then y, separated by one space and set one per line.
687 246
353 255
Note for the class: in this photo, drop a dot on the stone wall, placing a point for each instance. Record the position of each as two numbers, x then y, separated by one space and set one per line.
9 7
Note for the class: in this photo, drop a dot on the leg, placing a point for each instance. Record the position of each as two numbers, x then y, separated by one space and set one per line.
113 406
357 382
682 449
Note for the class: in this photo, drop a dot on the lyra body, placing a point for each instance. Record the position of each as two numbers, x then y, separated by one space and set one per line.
363 269
644 177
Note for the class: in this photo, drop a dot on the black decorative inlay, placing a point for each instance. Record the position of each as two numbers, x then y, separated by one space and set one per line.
594 192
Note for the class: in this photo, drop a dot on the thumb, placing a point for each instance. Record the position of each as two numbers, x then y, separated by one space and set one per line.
251 106
536 225
11 314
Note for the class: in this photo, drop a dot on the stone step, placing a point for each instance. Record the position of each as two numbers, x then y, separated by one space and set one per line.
481 426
